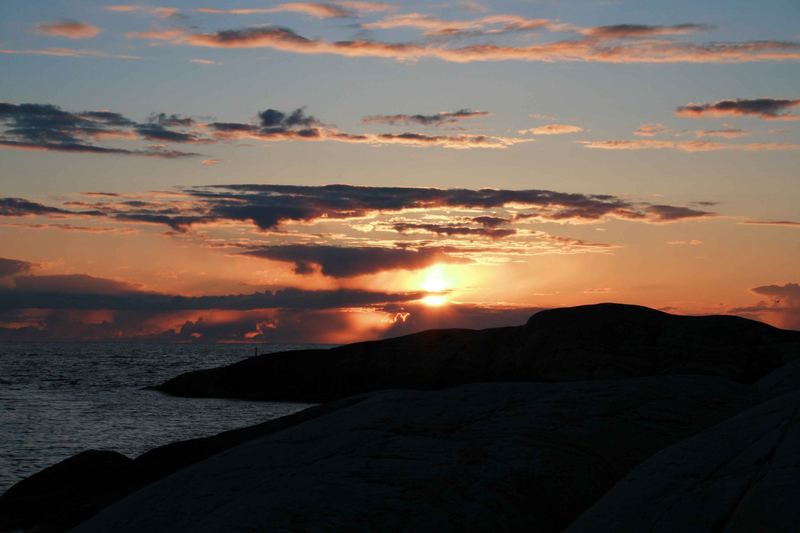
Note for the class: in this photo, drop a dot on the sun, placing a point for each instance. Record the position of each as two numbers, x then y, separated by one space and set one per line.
435 281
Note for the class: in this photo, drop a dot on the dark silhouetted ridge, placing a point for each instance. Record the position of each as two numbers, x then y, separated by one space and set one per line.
578 343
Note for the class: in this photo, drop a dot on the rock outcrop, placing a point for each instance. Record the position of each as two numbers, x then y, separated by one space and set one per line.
742 475
495 456
67 493
603 341
70 492
780 381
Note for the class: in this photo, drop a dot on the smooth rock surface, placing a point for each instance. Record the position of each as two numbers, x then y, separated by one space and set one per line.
482 457
604 341
781 381
73 490
741 476
66 493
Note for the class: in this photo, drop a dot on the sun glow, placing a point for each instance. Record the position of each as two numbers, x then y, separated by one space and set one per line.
434 300
436 282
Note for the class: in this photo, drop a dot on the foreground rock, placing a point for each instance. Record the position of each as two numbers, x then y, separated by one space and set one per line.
740 476
781 381
93 478
70 492
603 341
494 456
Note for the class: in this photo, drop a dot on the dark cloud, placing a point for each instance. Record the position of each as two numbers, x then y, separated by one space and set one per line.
447 229
785 223
17 207
490 221
436 119
79 291
162 119
272 118
159 133
784 300
274 125
270 206
346 262
764 108
48 127
77 284
669 213
10 267
364 320
627 31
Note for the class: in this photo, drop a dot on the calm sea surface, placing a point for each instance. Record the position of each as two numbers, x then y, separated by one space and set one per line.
57 399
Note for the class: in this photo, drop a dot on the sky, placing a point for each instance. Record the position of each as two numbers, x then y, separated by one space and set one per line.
254 171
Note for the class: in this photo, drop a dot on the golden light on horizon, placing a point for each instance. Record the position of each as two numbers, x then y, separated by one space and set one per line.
435 300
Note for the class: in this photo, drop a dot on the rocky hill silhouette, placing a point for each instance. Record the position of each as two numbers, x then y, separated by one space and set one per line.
601 341
514 429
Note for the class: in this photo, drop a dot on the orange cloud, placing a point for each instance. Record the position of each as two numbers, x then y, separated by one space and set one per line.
434 26
728 133
650 130
314 9
687 146
583 49
70 29
66 52
553 129
160 12
463 141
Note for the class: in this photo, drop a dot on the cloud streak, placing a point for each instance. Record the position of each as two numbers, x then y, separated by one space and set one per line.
763 108
621 44
553 129
269 207
69 29
347 262
687 146
44 127
11 267
435 119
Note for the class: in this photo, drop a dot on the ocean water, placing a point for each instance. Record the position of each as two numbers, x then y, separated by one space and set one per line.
58 399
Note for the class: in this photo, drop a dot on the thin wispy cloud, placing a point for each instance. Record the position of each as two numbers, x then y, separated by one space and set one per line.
434 119
650 130
553 129
610 44
688 146
159 12
320 10
727 133
67 52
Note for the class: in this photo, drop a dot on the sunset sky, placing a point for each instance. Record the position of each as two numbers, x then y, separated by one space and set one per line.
329 172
